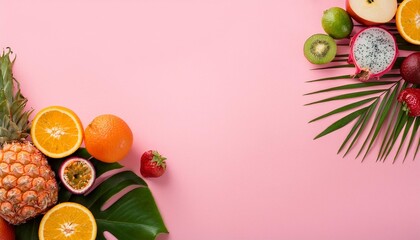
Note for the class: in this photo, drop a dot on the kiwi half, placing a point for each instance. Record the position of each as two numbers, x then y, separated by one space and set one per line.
320 49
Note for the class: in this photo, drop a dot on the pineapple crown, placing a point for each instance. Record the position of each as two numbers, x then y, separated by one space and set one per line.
14 124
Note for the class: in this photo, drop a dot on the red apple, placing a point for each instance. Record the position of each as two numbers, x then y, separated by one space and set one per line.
372 12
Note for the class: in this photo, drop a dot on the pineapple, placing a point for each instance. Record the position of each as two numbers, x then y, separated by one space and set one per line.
27 184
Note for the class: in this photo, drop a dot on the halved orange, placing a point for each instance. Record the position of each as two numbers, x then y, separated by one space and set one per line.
68 220
57 131
407 20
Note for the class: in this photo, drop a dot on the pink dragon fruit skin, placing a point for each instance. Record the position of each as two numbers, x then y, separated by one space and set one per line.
373 51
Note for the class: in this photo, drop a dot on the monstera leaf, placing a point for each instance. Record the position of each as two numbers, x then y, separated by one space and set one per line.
134 215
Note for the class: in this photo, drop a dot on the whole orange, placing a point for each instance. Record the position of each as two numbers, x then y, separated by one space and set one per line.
108 138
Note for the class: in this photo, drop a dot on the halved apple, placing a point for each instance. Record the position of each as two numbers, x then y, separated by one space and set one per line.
372 12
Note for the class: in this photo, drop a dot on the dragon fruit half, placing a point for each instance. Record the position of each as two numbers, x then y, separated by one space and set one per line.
373 51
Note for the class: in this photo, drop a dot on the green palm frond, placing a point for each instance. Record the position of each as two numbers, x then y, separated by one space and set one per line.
344 108
348 95
362 123
382 114
413 135
374 115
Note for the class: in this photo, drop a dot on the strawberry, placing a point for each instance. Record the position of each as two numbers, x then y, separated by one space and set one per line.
152 164
410 98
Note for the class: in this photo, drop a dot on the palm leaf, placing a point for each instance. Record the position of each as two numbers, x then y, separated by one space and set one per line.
342 122
407 128
335 66
344 108
417 149
353 86
391 122
397 123
348 95
362 123
381 115
413 135
389 75
383 118
398 126
331 78
133 216
409 47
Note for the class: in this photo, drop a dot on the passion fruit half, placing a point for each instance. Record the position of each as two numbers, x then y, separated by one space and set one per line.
77 175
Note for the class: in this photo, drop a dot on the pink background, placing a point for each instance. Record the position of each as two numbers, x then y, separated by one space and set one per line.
217 87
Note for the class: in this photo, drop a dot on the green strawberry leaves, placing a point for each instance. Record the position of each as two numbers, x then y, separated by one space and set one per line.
121 202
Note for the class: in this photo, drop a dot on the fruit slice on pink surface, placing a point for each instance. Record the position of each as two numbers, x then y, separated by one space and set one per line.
77 175
373 51
372 12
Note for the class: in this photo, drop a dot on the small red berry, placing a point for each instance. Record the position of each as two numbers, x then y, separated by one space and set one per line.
410 98
152 164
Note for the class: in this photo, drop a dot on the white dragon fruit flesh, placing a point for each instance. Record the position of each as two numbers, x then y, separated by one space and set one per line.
373 52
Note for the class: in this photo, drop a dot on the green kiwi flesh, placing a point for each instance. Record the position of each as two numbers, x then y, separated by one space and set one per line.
320 49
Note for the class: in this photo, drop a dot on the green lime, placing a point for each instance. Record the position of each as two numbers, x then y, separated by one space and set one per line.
337 23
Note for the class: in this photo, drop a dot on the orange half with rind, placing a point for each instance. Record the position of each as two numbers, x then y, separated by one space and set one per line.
57 131
68 220
407 20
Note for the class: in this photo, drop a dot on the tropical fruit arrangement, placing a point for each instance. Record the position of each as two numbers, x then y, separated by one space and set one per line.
51 187
379 104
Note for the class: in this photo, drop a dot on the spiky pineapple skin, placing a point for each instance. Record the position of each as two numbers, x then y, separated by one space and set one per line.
27 183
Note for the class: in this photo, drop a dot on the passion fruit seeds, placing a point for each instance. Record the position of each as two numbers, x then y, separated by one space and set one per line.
77 175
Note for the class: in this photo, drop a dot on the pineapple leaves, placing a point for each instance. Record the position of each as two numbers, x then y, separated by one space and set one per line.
134 215
14 124
375 119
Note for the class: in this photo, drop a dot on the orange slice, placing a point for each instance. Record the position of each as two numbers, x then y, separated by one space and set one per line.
68 220
57 131
407 20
